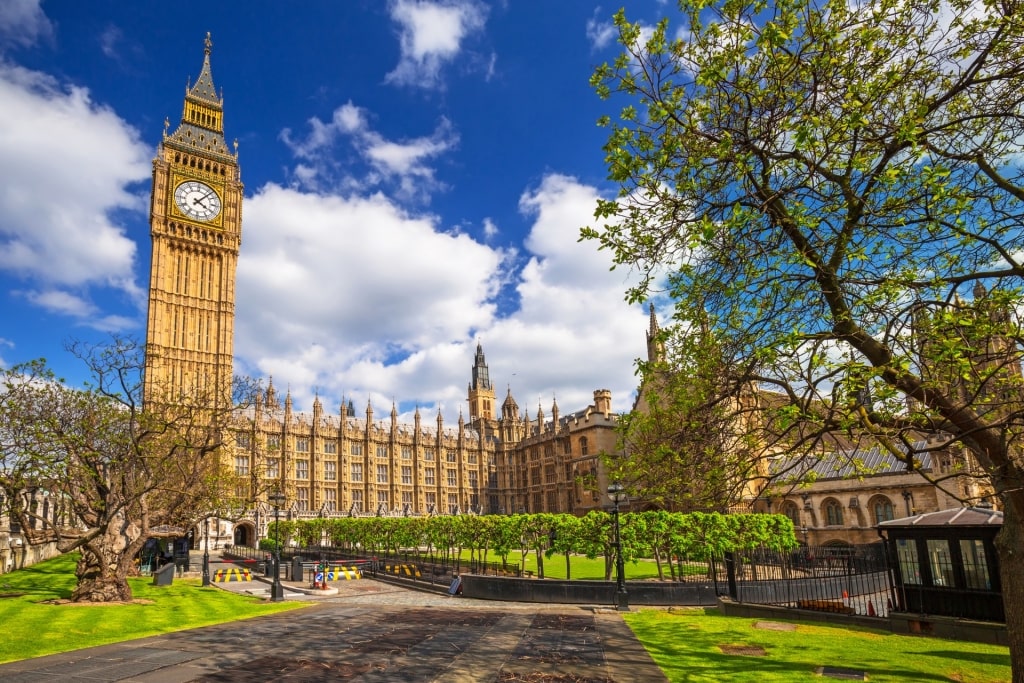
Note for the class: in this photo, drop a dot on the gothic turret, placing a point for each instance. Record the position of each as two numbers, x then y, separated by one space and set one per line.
481 396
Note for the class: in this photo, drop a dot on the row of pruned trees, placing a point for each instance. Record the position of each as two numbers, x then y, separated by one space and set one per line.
660 535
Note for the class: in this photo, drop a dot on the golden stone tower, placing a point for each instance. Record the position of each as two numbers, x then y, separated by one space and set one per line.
196 231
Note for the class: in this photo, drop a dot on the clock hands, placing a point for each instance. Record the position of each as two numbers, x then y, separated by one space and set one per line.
198 200
202 201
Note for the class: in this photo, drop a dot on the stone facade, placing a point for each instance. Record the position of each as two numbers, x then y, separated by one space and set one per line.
840 507
344 464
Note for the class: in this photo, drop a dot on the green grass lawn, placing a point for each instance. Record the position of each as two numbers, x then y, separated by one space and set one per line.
687 645
31 626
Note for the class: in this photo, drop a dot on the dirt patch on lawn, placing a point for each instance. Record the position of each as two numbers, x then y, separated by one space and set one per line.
774 626
748 650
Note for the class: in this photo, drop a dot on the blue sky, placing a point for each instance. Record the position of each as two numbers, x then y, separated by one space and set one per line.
416 174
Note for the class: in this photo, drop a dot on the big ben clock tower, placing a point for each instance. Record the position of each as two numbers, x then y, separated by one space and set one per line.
196 230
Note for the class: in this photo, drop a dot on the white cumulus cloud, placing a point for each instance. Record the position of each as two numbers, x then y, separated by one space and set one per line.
58 143
431 35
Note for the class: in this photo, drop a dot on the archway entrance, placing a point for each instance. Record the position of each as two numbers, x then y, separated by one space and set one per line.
245 535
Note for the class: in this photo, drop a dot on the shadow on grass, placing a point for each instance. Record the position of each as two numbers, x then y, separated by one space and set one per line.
702 660
977 657
47 580
701 645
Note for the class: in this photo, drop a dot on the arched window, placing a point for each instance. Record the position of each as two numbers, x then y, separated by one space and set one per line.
882 507
833 513
793 512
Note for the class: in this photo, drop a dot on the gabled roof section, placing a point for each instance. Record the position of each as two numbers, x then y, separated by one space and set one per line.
844 464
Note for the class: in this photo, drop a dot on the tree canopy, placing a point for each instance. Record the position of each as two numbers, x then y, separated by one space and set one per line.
829 183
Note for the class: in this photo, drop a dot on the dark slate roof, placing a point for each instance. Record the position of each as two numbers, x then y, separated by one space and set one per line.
861 462
188 136
967 516
203 89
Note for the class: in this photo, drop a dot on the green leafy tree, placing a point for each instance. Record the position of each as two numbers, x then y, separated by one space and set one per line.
564 535
684 449
537 533
442 535
595 538
311 532
820 179
477 532
410 533
506 532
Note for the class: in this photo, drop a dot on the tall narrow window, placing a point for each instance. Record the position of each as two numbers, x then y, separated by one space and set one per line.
833 513
940 561
975 564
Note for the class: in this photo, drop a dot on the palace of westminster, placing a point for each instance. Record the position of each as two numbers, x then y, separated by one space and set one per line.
498 461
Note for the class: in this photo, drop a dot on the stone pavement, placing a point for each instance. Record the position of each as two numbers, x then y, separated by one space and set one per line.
372 632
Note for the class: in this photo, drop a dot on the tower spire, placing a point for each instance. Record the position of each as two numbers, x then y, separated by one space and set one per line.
202 117
481 395
655 348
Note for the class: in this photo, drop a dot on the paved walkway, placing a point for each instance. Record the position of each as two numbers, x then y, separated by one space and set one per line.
372 632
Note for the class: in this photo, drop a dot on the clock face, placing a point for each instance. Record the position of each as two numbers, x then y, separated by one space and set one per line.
197 200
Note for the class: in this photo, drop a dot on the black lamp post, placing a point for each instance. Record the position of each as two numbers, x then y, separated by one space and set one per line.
615 491
276 589
206 551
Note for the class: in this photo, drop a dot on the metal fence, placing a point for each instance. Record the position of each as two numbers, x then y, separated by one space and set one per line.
839 579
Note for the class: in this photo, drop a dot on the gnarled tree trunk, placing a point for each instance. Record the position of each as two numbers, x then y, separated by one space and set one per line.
106 561
1010 546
